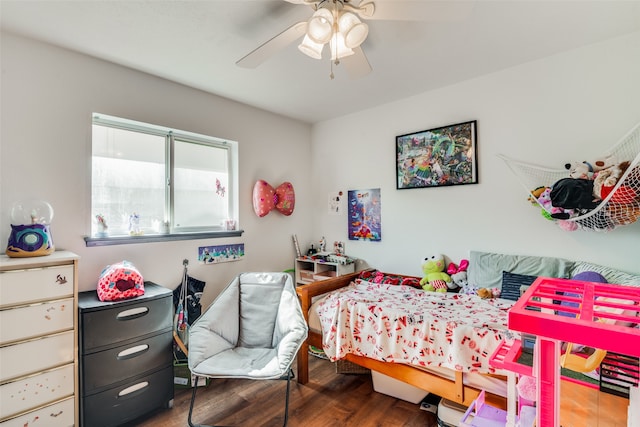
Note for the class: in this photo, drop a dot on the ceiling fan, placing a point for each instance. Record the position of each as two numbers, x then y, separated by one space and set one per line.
335 23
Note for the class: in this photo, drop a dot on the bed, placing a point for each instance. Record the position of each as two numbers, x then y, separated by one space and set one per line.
392 327
440 377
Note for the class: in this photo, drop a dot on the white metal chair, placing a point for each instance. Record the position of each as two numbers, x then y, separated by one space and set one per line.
252 330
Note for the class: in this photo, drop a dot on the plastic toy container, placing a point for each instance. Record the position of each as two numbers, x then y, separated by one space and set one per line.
483 415
396 388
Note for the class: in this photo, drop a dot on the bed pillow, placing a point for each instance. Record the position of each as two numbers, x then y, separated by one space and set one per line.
485 268
376 276
612 275
512 282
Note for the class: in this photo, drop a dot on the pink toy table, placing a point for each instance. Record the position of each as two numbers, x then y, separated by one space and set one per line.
606 317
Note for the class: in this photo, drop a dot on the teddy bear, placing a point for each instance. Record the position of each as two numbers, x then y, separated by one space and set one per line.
607 178
487 293
458 274
435 279
586 170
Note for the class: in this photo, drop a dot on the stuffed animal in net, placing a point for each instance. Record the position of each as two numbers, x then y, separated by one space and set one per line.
434 278
458 274
549 210
607 178
586 170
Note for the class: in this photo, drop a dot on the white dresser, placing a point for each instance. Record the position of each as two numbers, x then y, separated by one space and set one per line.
38 341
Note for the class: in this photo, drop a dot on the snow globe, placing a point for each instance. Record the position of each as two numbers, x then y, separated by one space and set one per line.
30 234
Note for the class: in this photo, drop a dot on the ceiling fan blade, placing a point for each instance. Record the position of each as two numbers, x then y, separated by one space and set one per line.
365 9
312 3
425 11
357 65
271 47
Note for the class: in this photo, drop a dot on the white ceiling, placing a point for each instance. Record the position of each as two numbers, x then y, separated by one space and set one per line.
197 43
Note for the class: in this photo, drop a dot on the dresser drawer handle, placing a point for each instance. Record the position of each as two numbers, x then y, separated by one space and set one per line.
133 313
134 390
132 352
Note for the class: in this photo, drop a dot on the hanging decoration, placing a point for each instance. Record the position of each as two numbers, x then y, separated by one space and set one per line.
266 198
220 253
220 190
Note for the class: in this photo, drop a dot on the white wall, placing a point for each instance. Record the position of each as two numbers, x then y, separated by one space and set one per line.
572 106
48 95
569 107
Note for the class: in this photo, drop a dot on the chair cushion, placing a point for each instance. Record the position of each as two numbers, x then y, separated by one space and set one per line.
242 362
253 329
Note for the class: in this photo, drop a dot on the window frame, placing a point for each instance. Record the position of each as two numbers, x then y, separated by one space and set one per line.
171 135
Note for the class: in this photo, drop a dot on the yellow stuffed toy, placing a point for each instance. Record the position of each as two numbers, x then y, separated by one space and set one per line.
435 279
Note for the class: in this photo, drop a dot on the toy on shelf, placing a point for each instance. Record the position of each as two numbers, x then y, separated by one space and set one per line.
606 317
578 363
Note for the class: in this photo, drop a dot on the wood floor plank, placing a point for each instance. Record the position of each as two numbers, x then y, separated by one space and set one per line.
342 400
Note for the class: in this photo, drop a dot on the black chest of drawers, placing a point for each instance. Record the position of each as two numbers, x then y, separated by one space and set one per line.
126 358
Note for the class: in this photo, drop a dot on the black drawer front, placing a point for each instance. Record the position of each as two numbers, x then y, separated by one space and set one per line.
124 321
117 406
111 366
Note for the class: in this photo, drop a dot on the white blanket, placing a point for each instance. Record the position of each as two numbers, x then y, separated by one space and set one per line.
406 325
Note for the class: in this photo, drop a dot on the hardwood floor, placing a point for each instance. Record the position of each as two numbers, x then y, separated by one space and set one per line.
331 399
327 400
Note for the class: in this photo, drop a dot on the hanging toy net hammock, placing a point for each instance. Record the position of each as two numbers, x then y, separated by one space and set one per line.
621 206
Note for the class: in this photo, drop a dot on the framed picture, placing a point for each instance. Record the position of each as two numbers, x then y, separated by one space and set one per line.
437 157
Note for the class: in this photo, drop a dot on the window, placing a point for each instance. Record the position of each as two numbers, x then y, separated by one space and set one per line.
150 180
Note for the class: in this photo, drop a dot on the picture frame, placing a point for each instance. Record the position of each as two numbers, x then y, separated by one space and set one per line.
437 157
364 219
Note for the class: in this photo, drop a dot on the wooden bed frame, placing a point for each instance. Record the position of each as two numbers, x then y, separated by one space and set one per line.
453 390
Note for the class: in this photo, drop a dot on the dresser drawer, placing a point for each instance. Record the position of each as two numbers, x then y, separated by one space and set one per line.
111 366
35 320
38 284
59 414
121 404
36 355
21 395
124 321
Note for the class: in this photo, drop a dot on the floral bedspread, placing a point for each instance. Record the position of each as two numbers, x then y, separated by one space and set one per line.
405 325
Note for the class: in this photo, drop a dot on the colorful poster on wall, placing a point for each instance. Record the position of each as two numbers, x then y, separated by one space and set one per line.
220 253
364 215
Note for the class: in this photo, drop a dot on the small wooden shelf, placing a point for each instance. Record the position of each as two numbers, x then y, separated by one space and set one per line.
313 269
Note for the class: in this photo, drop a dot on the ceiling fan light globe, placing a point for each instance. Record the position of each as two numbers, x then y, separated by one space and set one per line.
311 48
338 48
320 26
356 35
355 32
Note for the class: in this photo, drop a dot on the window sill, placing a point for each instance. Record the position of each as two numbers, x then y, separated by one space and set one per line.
152 238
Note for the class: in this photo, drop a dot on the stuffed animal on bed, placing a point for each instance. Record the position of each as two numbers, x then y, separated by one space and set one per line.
458 274
435 279
487 293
